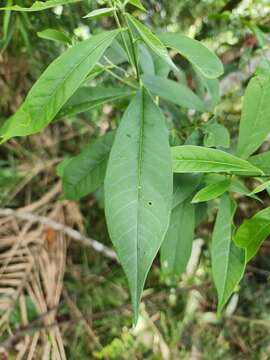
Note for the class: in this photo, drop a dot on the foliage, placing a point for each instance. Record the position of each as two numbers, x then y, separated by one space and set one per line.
169 158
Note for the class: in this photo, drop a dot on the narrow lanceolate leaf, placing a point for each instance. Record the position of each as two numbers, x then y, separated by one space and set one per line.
174 92
55 86
197 159
177 245
99 13
54 35
151 40
228 261
261 187
199 55
137 3
255 120
262 161
253 232
138 190
40 5
84 174
86 98
212 191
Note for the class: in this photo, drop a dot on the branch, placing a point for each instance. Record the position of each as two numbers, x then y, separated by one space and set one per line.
73 234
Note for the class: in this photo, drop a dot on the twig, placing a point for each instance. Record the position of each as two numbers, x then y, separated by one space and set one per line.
73 234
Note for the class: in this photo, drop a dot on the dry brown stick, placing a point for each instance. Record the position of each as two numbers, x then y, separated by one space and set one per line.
71 233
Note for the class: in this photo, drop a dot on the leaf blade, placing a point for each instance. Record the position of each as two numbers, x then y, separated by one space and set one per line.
55 87
251 234
135 190
212 191
205 61
196 159
228 261
174 92
85 172
254 123
39 5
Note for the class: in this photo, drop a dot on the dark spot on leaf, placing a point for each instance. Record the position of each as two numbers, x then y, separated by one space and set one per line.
150 203
128 135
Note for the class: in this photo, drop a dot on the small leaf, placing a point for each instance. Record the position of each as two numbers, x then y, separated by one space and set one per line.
254 124
138 190
84 174
177 245
228 261
54 35
196 159
216 135
86 98
262 161
151 40
137 4
56 85
212 191
99 13
253 232
40 5
261 187
175 92
199 55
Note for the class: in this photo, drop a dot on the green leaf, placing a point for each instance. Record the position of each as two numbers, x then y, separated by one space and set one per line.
212 191
99 13
56 85
253 232
138 190
54 35
195 52
262 161
177 245
174 92
151 40
261 187
86 98
255 124
197 159
84 174
216 135
228 261
40 5
137 4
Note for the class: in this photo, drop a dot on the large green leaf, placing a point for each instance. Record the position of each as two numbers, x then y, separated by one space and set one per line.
151 40
40 5
85 173
197 159
253 232
174 92
255 119
138 190
55 86
212 191
262 161
86 97
199 55
177 245
228 261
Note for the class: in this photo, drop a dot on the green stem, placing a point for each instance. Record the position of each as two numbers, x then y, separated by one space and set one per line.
132 46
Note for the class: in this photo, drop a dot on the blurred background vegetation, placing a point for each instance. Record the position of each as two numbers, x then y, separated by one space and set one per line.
85 306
